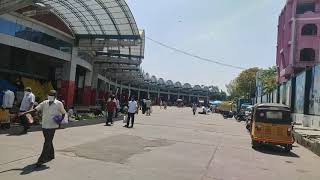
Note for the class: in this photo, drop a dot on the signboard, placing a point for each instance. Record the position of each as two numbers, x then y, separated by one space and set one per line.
258 84
314 105
300 92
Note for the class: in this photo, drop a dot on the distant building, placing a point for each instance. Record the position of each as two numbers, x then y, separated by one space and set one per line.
86 50
298 43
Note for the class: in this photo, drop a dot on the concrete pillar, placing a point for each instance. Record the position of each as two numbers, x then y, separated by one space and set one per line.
129 90
158 98
94 85
109 86
67 85
148 92
168 95
139 93
121 89
88 94
117 88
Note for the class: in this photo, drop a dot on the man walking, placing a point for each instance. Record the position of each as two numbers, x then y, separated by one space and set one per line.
132 109
148 106
160 104
51 109
7 104
26 105
118 107
111 107
194 108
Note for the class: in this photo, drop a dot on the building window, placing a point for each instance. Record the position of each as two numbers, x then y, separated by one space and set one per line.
309 30
29 34
307 54
305 7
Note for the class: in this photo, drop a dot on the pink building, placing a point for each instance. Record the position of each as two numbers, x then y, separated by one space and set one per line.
298 43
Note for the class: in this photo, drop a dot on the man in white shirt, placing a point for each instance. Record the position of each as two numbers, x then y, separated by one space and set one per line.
132 109
118 107
26 105
148 106
8 99
51 110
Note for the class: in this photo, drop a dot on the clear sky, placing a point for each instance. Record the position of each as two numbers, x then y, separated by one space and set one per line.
237 32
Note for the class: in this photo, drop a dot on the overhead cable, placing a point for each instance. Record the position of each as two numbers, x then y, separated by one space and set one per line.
194 56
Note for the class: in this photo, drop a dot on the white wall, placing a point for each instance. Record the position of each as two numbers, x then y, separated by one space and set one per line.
307 120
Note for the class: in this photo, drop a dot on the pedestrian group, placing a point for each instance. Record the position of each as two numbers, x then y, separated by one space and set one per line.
53 114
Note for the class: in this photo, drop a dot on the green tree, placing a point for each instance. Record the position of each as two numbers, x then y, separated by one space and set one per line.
268 78
244 85
232 89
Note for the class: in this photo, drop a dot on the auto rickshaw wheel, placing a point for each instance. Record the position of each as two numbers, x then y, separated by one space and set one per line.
288 148
255 144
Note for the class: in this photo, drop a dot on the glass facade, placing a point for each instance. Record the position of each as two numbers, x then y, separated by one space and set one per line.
29 34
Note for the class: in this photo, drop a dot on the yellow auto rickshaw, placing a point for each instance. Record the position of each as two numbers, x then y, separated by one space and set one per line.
272 124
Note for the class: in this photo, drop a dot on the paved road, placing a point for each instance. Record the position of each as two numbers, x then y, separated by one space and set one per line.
169 145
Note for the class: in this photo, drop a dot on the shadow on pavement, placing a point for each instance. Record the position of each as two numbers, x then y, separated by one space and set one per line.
28 169
275 150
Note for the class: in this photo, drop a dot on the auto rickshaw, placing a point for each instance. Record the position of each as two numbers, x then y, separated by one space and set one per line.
272 124
226 109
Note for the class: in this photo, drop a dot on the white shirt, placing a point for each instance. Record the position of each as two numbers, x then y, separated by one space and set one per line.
49 111
194 106
148 103
132 106
118 104
8 99
26 102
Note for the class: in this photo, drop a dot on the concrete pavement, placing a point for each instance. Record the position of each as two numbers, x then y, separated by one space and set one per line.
169 145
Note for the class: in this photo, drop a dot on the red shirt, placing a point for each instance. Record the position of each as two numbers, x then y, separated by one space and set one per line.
111 106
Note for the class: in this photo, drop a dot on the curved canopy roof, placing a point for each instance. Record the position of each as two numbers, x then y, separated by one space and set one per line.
146 77
154 79
205 88
178 85
197 87
187 86
95 18
214 89
161 81
169 83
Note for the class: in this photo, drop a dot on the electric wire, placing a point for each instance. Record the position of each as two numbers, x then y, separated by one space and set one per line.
195 56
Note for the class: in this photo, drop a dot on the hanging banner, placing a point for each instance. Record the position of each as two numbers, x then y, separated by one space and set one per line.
314 105
300 92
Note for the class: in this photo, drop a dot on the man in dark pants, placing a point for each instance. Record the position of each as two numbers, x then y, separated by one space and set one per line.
48 149
111 107
52 109
132 109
